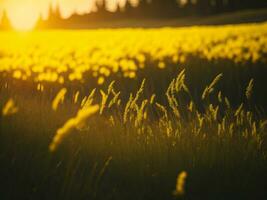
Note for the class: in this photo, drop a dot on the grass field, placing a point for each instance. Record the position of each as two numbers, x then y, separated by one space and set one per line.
171 113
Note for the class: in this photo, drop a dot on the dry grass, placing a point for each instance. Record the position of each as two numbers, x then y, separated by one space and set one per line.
134 149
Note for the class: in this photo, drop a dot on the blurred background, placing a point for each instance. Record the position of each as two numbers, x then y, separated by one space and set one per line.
29 14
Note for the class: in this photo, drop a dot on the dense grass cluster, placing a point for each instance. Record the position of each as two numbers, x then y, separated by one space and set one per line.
138 148
134 114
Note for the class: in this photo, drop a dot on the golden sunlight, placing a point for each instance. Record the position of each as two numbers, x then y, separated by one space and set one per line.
24 14
23 17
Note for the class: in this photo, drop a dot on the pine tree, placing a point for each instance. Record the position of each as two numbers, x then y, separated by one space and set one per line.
101 12
171 6
143 9
5 22
204 7
128 9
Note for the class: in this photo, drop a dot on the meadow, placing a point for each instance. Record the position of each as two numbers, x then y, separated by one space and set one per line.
168 113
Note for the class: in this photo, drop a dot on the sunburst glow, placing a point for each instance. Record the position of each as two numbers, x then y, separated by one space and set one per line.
23 17
23 14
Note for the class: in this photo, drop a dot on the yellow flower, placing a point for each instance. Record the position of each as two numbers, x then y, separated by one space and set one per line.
17 74
162 65
101 80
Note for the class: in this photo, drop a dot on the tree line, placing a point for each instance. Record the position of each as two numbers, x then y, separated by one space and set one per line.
148 9
157 9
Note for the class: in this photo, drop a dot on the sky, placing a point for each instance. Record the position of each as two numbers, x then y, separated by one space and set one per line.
24 13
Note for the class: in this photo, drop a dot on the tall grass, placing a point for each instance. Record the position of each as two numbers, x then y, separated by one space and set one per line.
141 148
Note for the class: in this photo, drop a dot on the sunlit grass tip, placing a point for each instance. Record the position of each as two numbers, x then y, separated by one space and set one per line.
180 184
59 98
10 108
71 124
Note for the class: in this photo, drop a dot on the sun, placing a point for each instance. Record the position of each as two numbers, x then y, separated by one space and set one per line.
23 17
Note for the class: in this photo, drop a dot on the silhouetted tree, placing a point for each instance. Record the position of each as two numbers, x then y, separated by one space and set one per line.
169 8
128 9
142 9
5 22
190 8
151 9
203 7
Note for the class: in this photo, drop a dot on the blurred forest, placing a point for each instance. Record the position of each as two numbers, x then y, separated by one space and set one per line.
145 9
